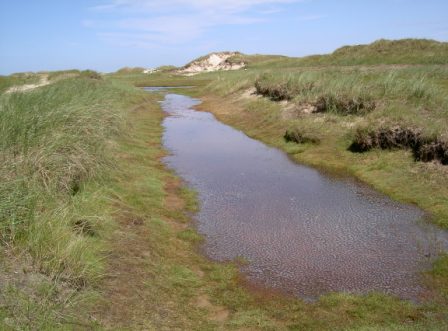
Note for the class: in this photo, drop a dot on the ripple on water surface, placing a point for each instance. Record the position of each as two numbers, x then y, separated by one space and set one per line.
301 231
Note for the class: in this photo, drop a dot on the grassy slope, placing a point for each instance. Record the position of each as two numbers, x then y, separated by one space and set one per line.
405 51
57 151
380 52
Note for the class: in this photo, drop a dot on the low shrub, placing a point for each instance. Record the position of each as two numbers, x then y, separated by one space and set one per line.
91 74
436 150
424 148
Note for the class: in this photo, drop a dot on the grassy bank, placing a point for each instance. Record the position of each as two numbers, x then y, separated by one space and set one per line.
57 146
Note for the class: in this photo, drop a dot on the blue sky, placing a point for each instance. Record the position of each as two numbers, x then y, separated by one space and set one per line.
109 34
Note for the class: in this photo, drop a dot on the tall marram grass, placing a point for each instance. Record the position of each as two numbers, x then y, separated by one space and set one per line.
51 140
56 147
408 84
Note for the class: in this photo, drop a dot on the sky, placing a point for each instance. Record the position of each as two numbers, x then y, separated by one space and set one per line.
106 35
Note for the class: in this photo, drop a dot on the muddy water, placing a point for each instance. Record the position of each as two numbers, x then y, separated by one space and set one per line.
301 231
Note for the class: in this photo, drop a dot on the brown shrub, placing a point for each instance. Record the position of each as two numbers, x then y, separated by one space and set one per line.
424 148
436 150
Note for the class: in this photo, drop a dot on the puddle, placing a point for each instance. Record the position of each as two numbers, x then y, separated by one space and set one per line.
302 232
164 88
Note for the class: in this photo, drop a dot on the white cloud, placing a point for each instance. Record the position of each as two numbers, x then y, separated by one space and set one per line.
176 21
312 17
222 6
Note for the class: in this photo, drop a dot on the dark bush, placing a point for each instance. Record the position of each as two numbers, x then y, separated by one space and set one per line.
386 138
91 74
424 148
433 151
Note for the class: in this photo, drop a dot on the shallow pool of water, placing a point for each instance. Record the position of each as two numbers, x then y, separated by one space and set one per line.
301 231
164 88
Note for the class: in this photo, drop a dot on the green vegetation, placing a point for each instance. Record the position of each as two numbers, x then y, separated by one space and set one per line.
253 60
162 78
404 51
62 74
55 155
140 70
387 52
95 230
166 68
128 70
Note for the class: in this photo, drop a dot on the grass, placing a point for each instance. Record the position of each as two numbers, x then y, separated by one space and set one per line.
403 52
165 79
56 152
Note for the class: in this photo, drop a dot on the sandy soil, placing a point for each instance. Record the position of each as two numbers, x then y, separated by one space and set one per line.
28 87
213 62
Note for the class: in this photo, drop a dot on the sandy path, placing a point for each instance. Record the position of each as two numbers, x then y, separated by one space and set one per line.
28 87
